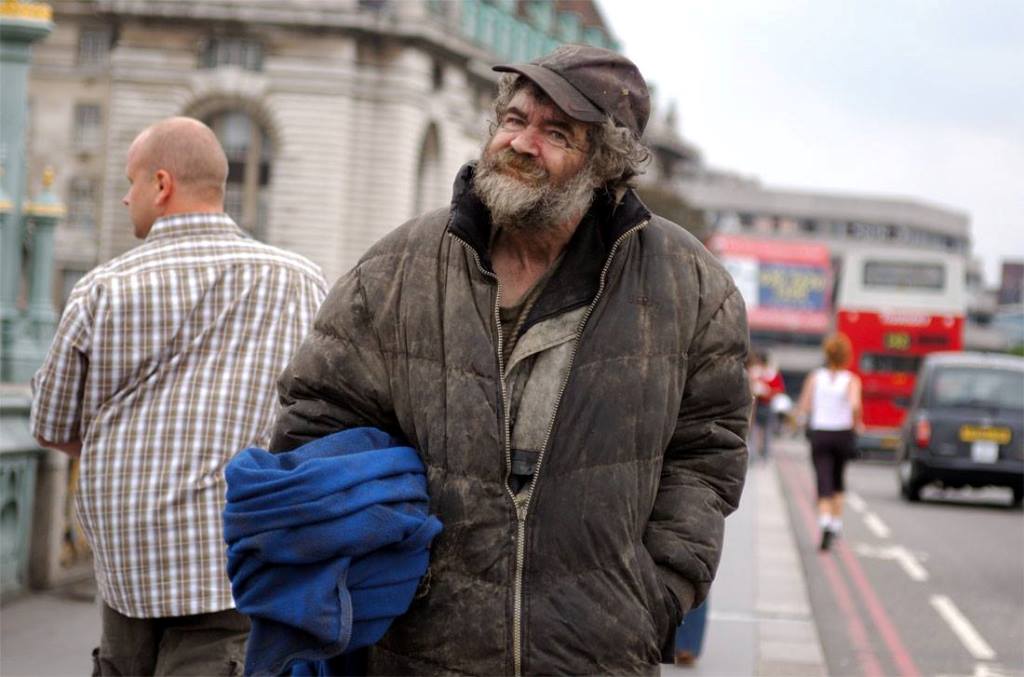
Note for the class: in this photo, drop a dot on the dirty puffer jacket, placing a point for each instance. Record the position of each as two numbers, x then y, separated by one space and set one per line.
589 568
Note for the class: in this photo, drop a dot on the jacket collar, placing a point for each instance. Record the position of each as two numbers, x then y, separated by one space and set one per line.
576 281
607 219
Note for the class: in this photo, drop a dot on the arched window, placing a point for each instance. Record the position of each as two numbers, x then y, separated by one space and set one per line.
429 180
250 155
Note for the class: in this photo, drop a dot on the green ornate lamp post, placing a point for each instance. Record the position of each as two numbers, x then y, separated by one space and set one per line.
24 333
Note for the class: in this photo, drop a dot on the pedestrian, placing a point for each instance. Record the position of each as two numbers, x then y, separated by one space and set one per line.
830 402
161 369
766 383
570 368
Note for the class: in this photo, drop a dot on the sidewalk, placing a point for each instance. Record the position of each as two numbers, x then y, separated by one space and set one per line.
759 620
50 633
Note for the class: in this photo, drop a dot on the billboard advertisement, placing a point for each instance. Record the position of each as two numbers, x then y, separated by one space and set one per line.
786 284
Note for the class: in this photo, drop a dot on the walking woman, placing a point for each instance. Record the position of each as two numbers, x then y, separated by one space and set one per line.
831 404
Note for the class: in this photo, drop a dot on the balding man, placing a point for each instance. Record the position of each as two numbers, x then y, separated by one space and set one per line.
162 368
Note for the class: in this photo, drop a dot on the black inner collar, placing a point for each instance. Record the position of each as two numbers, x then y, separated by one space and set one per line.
577 278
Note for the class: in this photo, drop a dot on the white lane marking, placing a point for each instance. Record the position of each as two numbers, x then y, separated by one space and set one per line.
899 554
909 563
855 502
877 526
962 628
987 670
990 670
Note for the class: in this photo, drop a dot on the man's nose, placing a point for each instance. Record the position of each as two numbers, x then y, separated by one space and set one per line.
526 141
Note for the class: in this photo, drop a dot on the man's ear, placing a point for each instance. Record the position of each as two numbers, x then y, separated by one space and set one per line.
164 187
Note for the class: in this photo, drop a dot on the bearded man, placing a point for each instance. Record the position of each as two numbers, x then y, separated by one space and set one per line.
570 368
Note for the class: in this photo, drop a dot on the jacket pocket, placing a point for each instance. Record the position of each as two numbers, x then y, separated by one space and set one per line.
660 608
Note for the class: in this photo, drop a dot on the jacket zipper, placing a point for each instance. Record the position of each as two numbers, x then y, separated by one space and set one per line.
522 501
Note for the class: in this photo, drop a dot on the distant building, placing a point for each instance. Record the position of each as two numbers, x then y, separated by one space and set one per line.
341 118
841 220
1011 283
732 203
1008 318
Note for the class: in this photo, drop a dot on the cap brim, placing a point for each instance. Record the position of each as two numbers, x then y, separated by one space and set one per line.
565 96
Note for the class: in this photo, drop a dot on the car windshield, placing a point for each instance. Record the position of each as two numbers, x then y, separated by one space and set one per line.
978 387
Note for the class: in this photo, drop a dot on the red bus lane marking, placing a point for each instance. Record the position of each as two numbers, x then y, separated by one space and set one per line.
890 636
855 628
885 627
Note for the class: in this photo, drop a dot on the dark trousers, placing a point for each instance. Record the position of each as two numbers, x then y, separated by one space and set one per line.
830 450
690 633
203 644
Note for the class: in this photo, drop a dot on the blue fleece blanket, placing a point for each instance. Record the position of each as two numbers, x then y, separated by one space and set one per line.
326 546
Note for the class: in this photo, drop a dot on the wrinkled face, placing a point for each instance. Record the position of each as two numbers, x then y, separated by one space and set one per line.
534 172
542 132
142 192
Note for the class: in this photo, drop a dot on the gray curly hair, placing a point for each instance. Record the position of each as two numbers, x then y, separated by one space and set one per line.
617 155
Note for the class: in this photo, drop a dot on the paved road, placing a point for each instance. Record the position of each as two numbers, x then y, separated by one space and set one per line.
935 588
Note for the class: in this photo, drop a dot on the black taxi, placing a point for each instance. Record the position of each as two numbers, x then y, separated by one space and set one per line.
965 425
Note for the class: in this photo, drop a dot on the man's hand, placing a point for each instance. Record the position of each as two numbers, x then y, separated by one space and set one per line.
73 448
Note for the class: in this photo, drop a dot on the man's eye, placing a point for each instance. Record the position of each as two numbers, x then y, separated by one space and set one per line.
558 138
512 122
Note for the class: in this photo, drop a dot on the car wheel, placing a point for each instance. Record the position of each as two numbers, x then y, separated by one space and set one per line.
1018 495
910 480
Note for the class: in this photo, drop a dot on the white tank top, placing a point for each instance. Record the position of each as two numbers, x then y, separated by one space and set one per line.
830 406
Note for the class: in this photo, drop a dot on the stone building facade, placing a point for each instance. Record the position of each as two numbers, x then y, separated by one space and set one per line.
341 118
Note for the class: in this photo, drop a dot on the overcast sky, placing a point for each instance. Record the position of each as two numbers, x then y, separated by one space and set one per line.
922 99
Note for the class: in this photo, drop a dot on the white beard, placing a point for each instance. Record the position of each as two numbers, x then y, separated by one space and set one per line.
517 204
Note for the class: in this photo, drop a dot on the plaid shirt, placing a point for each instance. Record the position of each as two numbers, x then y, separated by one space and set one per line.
164 366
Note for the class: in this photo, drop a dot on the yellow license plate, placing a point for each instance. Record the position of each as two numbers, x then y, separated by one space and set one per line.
977 433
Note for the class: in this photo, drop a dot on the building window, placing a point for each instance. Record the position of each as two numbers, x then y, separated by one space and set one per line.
250 156
569 27
539 12
245 53
430 180
88 131
94 46
437 75
82 193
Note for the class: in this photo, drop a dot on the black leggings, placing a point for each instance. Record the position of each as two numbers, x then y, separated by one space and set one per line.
830 449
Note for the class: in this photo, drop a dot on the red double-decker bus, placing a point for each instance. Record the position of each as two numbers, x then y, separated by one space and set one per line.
896 307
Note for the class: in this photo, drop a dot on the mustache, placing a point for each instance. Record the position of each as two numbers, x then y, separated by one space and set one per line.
523 165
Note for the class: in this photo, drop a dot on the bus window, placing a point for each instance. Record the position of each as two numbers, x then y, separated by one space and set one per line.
873 363
904 275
